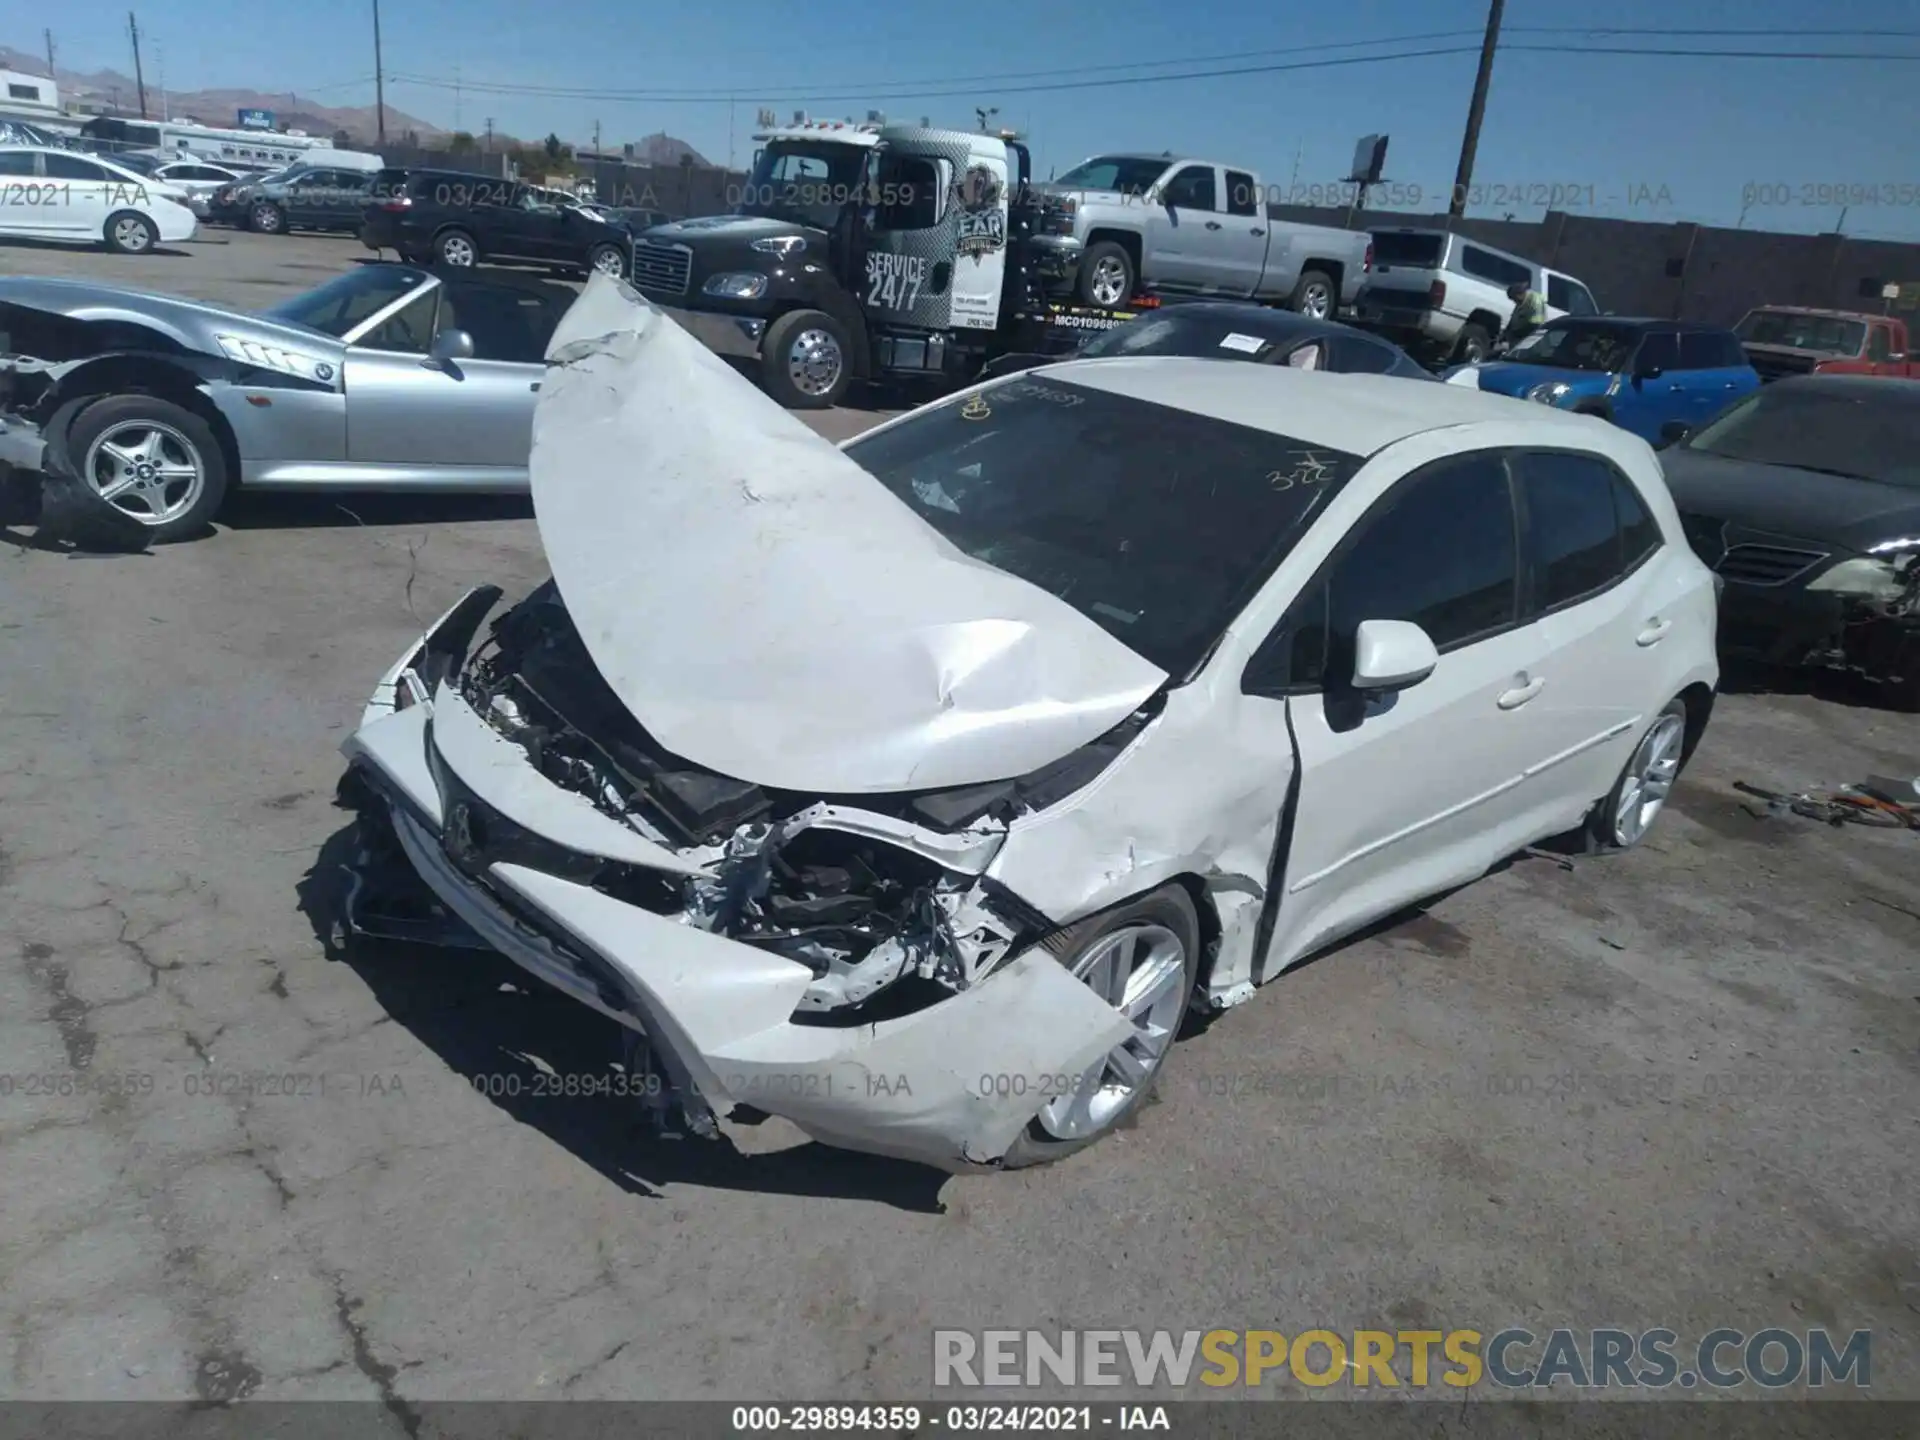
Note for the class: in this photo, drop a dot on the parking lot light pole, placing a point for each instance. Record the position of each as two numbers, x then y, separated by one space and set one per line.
379 84
1463 178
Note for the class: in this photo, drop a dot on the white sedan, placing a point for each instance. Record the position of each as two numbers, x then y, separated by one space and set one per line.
913 790
49 194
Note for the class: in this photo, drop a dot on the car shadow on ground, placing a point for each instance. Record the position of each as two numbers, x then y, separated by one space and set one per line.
483 1015
284 510
82 242
1835 687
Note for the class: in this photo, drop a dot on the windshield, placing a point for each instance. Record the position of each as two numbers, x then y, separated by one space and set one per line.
1577 347
1397 247
1829 334
1124 174
1214 337
808 181
345 301
1868 432
1156 524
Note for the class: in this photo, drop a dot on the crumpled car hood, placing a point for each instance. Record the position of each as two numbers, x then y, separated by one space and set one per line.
764 607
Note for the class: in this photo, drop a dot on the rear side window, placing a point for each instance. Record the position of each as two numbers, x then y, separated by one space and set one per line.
1570 296
1357 355
1485 265
1700 350
1733 355
1639 531
1243 195
1659 350
72 167
16 162
1398 247
1572 529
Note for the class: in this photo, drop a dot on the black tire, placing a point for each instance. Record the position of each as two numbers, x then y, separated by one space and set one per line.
194 435
266 218
456 248
1472 344
1600 835
1170 907
609 260
1105 253
1315 287
128 232
784 371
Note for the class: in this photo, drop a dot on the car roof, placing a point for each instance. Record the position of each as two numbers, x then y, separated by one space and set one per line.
1355 413
1895 388
1640 322
1818 310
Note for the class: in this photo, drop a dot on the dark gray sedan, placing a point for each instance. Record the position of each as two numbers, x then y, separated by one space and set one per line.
1229 330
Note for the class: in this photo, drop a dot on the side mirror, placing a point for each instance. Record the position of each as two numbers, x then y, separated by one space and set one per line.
1391 655
1672 433
449 346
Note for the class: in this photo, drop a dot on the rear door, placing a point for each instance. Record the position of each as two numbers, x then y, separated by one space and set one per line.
87 194
1404 796
28 204
1595 587
1715 372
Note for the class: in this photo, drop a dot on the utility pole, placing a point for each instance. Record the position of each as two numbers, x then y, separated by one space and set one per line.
489 135
596 139
139 79
456 97
379 83
50 74
1463 178
160 78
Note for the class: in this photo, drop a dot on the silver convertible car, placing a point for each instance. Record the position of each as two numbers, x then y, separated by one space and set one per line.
389 377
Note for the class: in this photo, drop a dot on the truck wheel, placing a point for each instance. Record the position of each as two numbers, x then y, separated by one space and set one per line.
1472 346
803 360
1106 275
1314 296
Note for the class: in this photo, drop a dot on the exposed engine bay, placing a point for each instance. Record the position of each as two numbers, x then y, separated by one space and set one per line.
882 894
1879 633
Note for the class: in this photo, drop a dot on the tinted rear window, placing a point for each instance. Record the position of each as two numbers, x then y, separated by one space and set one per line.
1393 247
1155 523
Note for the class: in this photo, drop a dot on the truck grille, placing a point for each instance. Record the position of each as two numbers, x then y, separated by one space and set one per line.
1767 564
662 269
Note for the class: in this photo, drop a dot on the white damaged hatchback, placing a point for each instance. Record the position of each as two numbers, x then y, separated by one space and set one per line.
914 789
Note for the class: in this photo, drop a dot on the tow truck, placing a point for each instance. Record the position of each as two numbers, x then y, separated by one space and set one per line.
866 252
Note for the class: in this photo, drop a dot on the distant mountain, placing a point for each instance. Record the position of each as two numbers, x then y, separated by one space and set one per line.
665 149
218 107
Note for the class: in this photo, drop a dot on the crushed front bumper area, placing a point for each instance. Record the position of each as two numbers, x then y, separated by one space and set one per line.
953 1083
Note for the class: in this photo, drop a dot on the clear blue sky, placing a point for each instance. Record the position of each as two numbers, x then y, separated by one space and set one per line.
1612 130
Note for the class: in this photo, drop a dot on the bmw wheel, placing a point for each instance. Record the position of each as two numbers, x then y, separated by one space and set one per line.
1142 958
155 462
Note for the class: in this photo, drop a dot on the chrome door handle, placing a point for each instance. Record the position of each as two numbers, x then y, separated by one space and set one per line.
1213 224
1257 231
1655 632
1515 698
534 386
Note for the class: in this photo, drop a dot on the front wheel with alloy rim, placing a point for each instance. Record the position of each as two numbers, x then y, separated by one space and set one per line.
130 233
1143 959
803 360
608 260
456 248
267 218
1313 296
153 461
1622 820
1106 276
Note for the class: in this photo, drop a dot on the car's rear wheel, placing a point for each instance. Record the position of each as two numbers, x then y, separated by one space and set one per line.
152 460
128 232
803 360
1142 958
456 248
1313 296
1622 820
267 218
1472 346
609 260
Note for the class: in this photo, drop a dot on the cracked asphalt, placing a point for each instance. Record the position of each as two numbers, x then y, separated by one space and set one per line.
239 1160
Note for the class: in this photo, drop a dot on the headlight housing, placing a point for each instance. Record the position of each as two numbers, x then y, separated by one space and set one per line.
1550 393
785 246
737 285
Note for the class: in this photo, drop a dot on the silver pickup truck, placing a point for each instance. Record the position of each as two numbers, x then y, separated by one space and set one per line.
1117 225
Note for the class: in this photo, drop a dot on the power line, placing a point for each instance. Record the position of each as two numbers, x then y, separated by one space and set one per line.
855 91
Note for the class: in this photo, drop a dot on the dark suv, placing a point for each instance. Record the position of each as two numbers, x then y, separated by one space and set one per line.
453 218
